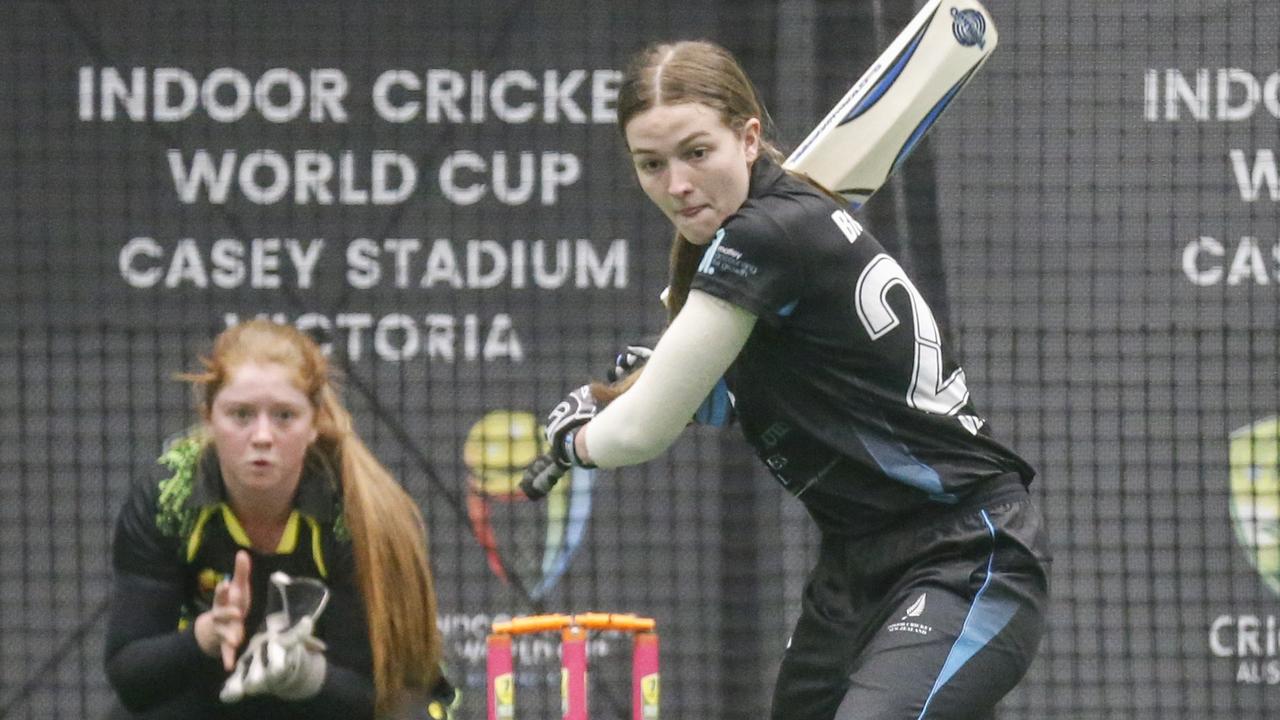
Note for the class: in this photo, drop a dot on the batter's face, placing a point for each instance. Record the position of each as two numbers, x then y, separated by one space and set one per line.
696 169
262 425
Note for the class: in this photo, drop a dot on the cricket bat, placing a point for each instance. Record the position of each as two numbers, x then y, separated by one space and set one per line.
876 125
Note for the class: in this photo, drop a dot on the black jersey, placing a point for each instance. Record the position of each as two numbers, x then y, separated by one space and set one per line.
844 387
175 538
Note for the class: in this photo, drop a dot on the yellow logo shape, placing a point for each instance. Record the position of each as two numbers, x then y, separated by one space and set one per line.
564 691
504 695
649 693
207 580
1255 496
497 449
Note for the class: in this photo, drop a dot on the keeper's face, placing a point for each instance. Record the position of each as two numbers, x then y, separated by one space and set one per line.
262 425
696 169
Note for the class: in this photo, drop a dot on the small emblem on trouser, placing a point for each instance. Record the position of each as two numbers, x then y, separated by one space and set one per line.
915 610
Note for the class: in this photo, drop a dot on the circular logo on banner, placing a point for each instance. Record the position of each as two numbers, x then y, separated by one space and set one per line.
533 541
969 27
1255 496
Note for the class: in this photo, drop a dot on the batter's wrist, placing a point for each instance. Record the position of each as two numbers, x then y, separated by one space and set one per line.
576 451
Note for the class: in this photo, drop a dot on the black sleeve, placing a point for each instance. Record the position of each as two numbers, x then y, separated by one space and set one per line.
752 263
148 660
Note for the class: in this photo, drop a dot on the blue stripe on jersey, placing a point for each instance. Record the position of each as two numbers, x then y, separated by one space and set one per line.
705 265
987 617
788 309
898 463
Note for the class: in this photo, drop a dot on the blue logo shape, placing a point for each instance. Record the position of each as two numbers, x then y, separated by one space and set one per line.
969 27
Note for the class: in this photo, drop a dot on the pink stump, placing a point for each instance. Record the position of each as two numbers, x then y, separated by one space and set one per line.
501 682
573 673
644 677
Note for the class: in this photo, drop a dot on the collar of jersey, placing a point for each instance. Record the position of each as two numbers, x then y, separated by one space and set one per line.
764 173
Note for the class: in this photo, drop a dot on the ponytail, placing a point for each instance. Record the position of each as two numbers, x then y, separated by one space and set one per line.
392 571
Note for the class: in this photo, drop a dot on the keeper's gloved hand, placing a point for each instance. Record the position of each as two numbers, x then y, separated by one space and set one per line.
286 662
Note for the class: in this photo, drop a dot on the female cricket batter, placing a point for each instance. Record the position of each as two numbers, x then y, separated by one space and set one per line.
928 597
276 480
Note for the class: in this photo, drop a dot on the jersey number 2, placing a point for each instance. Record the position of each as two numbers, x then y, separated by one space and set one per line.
928 391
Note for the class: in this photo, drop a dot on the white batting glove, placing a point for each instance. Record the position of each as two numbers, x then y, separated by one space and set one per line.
627 361
576 410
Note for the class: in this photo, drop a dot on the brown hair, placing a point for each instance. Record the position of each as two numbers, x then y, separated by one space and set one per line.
689 71
388 534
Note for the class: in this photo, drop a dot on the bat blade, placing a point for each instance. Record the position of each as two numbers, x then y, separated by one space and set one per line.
876 125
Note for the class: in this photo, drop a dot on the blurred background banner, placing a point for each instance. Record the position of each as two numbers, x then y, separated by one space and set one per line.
439 192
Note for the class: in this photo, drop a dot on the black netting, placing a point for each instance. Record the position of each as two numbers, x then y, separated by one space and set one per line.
1094 222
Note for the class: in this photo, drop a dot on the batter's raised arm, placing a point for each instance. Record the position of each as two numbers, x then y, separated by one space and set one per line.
689 360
